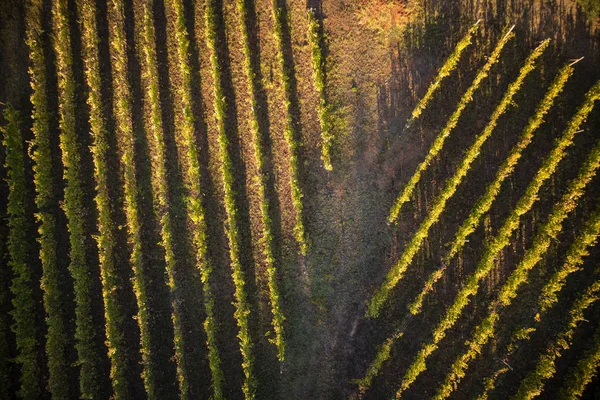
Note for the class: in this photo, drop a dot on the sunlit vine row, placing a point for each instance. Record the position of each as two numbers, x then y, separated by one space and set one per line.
281 19
449 66
541 243
396 273
46 199
242 308
502 238
196 210
383 354
317 40
576 254
120 364
582 374
440 139
534 382
484 203
88 350
258 134
150 357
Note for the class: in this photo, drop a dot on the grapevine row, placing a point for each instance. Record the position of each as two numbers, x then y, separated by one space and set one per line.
88 349
574 259
315 35
46 199
383 354
502 239
281 20
253 75
490 382
221 109
151 357
194 201
445 71
397 271
533 384
24 313
541 242
484 203
525 138
576 253
120 372
438 143
5 338
583 373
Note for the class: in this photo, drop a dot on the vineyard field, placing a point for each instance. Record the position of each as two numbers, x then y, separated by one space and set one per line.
299 199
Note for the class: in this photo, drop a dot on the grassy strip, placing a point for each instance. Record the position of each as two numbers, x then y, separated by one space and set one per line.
541 242
267 236
25 325
445 71
533 384
438 143
281 19
396 273
315 35
242 309
583 373
484 203
383 354
195 207
576 253
502 239
89 353
57 338
111 282
152 368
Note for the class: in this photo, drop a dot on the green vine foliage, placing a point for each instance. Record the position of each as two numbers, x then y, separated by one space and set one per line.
502 238
586 239
281 19
440 139
121 365
6 366
445 71
242 308
484 203
396 273
583 373
383 354
534 382
156 383
579 249
267 235
194 201
317 40
89 351
58 341
541 243
26 325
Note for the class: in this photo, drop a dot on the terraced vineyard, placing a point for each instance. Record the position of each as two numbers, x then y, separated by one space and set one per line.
282 199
